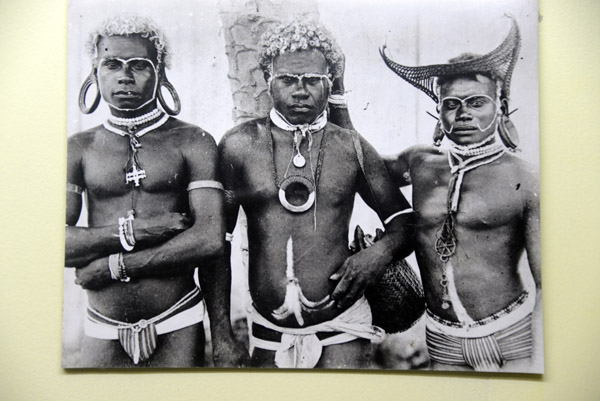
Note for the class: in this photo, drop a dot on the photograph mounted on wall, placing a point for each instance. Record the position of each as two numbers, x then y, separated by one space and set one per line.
303 184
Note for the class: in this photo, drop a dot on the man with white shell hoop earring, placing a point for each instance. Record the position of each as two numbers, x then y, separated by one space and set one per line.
155 213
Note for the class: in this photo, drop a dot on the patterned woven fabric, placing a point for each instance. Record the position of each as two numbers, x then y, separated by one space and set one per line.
487 353
139 342
500 61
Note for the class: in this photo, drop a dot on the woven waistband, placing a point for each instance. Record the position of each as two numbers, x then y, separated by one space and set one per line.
99 326
502 319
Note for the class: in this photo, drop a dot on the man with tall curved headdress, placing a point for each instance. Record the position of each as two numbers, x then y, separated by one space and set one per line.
155 211
476 211
296 175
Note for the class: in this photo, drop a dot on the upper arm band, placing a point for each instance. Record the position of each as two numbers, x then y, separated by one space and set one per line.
205 184
393 216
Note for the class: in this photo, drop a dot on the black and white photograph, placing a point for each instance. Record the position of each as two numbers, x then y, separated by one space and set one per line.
303 185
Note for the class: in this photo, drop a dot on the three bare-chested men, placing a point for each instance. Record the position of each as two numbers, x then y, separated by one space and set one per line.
155 212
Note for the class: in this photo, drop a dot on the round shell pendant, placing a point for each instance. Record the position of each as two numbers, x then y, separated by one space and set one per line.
445 305
299 161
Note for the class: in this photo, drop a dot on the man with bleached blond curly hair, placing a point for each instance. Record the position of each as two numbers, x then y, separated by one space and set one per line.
296 175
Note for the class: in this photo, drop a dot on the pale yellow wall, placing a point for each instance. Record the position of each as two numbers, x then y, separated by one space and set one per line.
33 52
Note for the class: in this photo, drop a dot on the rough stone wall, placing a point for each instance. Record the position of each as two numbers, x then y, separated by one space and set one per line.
243 23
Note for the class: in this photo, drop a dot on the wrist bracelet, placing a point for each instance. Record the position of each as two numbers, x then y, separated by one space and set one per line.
126 236
122 272
113 266
117 268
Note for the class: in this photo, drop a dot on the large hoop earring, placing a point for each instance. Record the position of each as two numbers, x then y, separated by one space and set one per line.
506 129
163 81
89 81
508 133
438 134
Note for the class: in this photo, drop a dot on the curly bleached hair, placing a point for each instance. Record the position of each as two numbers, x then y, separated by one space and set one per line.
124 25
295 36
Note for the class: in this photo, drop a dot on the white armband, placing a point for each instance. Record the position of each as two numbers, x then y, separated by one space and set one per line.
393 216
205 184
74 188
337 101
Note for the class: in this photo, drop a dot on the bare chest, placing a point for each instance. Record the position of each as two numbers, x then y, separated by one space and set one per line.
332 170
106 162
488 196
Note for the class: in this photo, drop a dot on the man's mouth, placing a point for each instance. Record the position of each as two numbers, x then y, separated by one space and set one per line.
126 94
465 129
300 107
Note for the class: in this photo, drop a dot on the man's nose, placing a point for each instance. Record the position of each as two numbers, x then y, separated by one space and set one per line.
126 75
462 113
300 91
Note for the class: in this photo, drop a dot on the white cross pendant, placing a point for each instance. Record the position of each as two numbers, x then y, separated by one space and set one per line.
135 175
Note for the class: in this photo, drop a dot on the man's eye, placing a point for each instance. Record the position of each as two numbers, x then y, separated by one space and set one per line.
139 65
451 104
312 81
287 80
112 64
477 103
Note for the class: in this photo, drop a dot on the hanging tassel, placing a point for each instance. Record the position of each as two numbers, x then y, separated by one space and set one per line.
291 303
295 302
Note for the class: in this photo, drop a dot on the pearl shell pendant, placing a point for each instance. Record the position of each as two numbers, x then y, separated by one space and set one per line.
299 161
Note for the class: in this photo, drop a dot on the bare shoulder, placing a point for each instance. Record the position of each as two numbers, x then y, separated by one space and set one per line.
83 139
190 137
522 169
341 139
413 155
525 176
239 140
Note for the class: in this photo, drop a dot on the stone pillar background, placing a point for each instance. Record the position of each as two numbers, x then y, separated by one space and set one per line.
243 23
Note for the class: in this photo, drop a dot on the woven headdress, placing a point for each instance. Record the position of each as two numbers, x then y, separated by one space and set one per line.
500 62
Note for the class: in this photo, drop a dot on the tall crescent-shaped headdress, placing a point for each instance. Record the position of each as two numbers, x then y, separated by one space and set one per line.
500 61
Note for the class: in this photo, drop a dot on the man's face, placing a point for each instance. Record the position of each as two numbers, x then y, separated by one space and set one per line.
300 100
126 71
468 109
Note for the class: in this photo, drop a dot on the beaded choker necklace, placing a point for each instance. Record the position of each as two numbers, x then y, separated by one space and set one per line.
134 128
461 160
144 118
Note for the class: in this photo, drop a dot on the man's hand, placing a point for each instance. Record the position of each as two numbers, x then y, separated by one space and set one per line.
229 353
160 228
357 273
94 276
